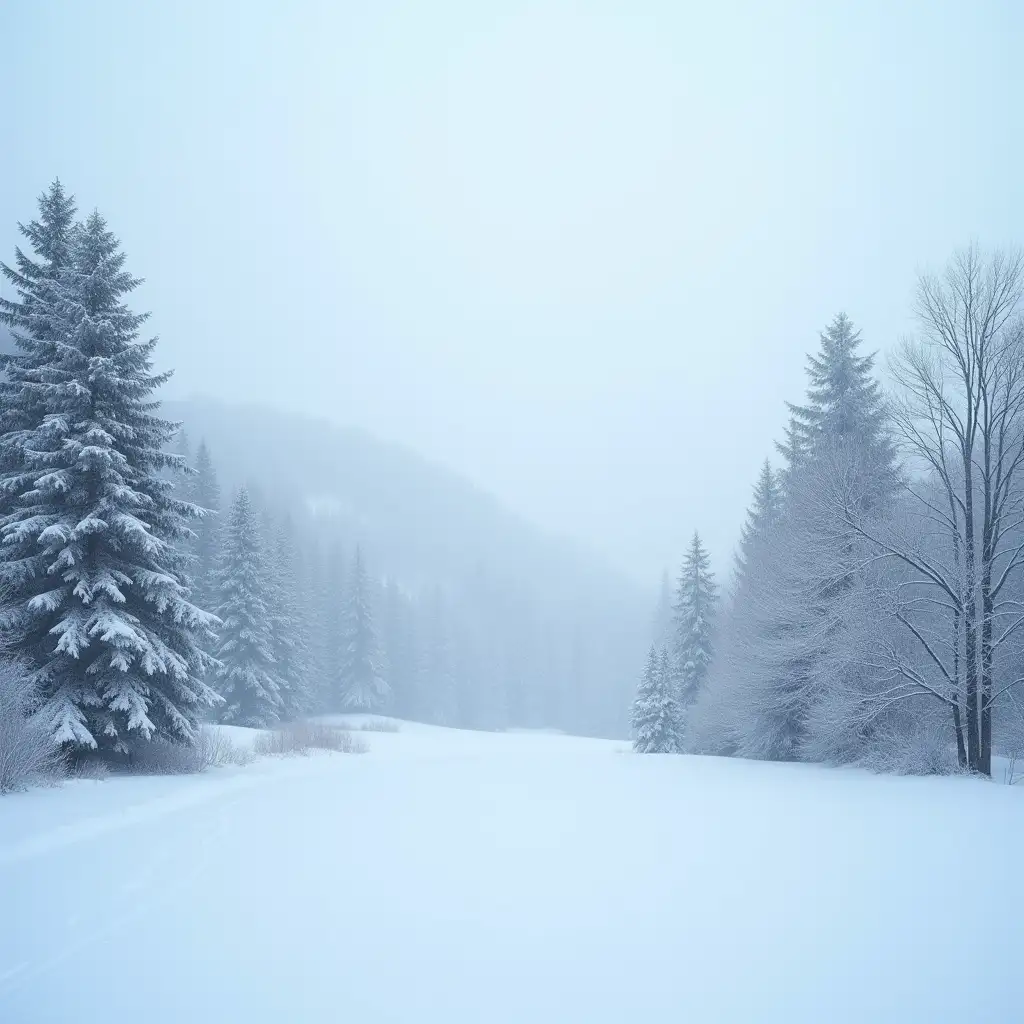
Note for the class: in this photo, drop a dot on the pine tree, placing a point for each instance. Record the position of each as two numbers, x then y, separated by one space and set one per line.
94 597
786 618
247 677
697 598
655 715
288 625
363 686
205 492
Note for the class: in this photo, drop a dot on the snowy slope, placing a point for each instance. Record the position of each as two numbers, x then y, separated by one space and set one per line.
454 877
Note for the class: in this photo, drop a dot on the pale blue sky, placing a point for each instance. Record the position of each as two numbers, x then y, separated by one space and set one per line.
576 251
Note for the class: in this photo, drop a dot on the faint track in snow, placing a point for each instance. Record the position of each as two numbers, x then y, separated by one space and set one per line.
17 976
204 792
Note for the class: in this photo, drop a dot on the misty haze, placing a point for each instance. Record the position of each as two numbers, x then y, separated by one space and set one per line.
511 512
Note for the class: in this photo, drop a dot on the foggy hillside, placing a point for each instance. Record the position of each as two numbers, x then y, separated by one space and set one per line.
549 624
419 519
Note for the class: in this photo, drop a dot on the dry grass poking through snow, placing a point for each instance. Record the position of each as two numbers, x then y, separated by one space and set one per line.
379 725
305 737
212 749
27 754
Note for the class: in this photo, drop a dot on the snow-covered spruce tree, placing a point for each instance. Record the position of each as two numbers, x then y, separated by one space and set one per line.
696 601
94 600
363 687
787 613
289 627
655 715
247 676
713 722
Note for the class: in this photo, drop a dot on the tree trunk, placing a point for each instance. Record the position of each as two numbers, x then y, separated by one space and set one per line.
971 629
985 751
958 728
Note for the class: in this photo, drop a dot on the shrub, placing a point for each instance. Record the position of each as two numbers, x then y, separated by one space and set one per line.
212 749
28 755
305 737
89 768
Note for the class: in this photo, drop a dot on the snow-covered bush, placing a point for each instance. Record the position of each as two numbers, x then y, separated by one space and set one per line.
27 754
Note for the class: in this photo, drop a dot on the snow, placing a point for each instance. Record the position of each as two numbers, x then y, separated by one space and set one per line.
459 876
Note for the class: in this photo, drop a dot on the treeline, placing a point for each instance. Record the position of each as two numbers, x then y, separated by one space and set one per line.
875 608
307 628
137 601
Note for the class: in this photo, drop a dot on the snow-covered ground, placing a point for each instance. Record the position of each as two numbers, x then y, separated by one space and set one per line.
455 877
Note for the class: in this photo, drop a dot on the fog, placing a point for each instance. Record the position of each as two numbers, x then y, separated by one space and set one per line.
563 557
575 252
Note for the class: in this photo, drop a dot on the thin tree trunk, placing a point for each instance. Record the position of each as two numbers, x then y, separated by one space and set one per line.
958 728
985 751
971 628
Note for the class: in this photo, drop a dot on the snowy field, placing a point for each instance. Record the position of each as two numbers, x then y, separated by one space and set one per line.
468 877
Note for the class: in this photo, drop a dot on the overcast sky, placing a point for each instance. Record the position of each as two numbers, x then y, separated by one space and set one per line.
576 251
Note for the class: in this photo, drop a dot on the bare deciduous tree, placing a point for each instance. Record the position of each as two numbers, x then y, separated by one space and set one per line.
960 417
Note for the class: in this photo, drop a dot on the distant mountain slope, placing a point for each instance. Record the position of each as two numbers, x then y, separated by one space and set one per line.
418 517
544 608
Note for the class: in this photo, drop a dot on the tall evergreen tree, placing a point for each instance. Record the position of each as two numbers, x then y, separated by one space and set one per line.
205 492
289 627
786 618
363 685
697 598
247 676
90 566
655 715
